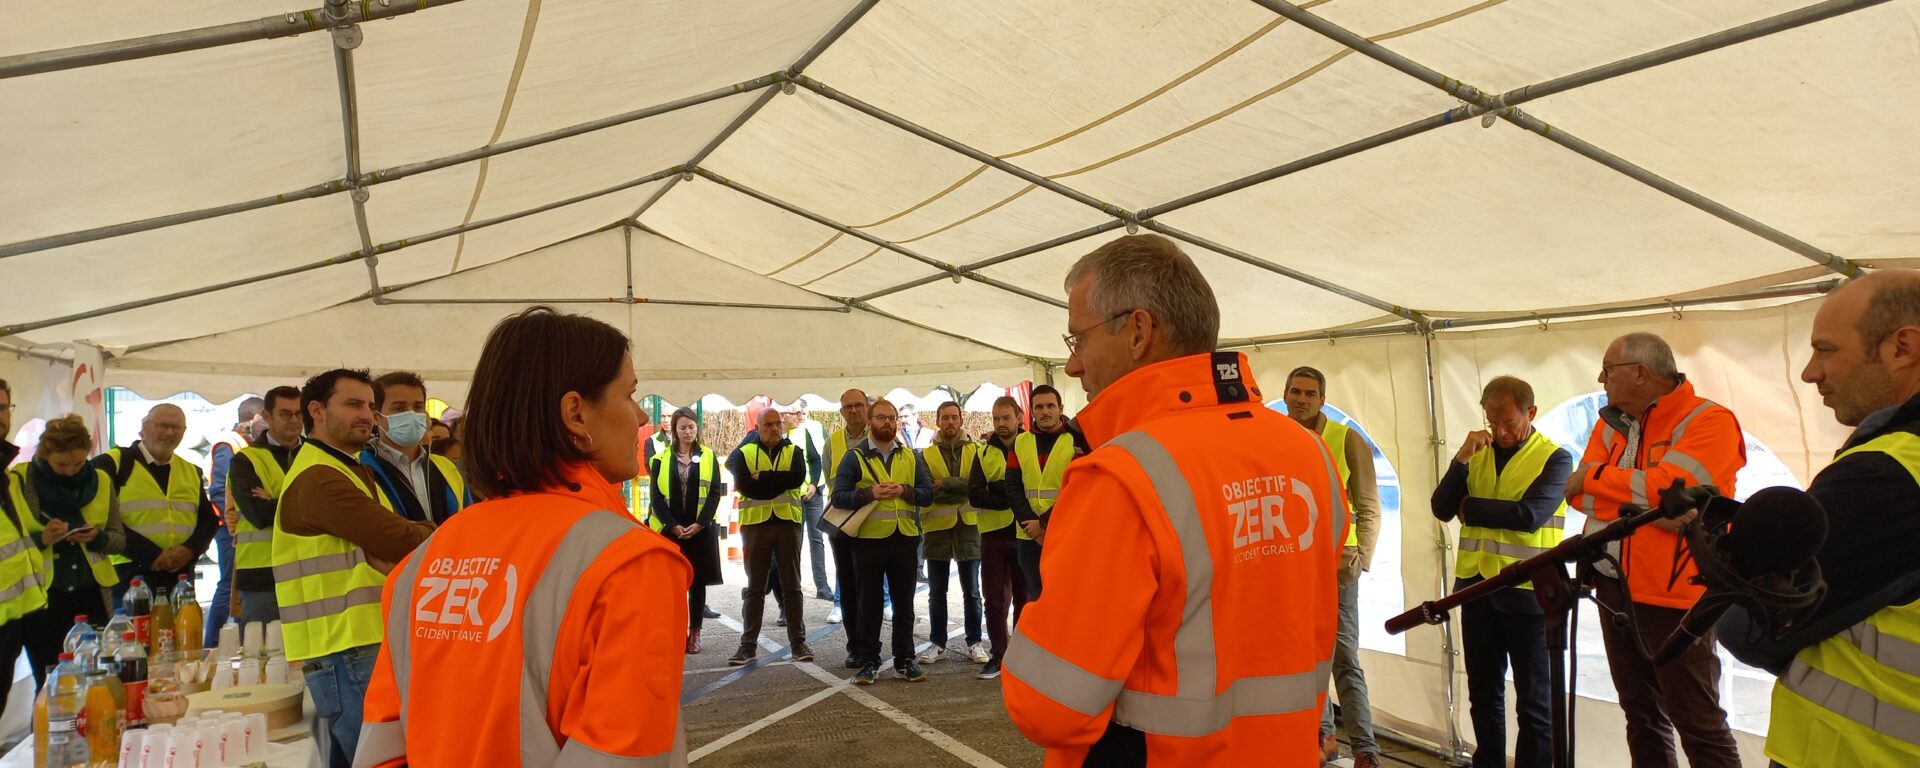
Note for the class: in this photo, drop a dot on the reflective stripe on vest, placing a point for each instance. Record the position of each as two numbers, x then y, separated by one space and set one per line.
1484 551
23 585
253 545
542 615
944 516
164 517
1851 698
456 485
1196 709
1334 434
96 513
890 516
329 596
665 476
993 468
785 506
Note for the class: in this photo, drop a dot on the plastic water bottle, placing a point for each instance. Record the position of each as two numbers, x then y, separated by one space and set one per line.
81 632
120 623
66 716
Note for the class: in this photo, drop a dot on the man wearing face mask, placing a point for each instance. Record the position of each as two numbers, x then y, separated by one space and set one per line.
420 485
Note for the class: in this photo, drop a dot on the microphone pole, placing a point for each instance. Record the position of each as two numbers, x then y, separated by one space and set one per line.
1555 592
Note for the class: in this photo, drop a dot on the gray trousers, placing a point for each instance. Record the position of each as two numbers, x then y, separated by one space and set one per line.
1348 679
778 541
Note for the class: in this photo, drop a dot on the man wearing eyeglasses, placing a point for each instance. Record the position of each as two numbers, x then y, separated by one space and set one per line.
1655 430
1507 485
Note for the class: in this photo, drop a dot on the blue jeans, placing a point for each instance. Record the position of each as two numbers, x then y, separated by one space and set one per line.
223 592
338 684
1348 679
937 600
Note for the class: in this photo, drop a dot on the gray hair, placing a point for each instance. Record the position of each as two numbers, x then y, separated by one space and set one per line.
1651 351
1150 272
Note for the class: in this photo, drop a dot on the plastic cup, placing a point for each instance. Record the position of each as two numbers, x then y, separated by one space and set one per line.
273 637
233 739
277 670
153 750
254 638
256 737
130 747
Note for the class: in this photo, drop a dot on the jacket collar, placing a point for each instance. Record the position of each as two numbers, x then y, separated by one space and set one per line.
1164 388
1675 401
584 483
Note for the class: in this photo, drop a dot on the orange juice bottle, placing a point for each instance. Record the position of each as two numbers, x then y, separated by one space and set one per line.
103 719
40 726
160 626
186 616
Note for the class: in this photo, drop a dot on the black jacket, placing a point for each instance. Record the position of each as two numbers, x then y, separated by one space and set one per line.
771 483
242 480
681 510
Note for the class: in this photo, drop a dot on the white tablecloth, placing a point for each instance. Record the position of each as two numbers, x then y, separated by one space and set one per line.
292 754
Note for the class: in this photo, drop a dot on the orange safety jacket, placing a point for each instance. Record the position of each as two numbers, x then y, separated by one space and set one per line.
539 629
1191 570
1682 436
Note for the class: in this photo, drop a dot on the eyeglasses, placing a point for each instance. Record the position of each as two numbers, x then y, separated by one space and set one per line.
1606 367
6 407
1072 337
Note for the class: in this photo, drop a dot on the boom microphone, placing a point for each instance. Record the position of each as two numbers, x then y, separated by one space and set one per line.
1763 558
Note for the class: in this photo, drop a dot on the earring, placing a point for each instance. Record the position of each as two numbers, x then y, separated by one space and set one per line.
588 448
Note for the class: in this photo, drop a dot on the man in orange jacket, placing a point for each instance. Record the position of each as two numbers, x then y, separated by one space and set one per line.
1190 614
1653 431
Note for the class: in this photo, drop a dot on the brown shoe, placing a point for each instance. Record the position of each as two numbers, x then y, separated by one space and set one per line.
1329 748
693 641
1366 760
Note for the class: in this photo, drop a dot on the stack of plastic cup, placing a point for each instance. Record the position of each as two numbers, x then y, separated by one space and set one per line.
273 638
154 749
233 739
257 735
255 637
130 747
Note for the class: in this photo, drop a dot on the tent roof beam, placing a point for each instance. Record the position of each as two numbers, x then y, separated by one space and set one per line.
1247 258
949 270
383 175
819 47
630 300
268 28
19 328
350 129
1513 115
1105 226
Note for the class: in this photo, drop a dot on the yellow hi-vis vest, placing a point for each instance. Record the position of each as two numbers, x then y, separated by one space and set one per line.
1042 480
890 515
164 517
1335 435
329 595
253 545
665 478
23 577
993 467
785 506
96 512
943 517
455 482
1854 698
837 445
1484 551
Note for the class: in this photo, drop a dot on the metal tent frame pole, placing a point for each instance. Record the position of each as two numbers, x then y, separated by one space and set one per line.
268 28
1105 226
345 39
384 175
949 270
1513 115
19 328
1237 255
630 300
1779 23
819 47
1448 661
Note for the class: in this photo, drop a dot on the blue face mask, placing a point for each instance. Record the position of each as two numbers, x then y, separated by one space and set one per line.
406 429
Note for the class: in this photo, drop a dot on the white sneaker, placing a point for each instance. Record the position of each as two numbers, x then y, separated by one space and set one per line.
887 615
978 652
833 616
933 655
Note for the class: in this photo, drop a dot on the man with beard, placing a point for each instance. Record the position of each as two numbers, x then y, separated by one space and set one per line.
1006 582
883 472
952 534
334 540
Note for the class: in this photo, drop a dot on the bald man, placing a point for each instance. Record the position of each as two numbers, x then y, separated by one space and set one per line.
1854 652
853 411
163 501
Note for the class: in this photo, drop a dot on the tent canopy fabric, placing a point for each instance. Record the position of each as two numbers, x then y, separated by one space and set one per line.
934 166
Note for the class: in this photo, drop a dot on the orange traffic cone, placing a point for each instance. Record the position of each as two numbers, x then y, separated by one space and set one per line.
733 542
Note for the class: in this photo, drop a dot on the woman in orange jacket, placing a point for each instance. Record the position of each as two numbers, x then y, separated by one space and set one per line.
544 626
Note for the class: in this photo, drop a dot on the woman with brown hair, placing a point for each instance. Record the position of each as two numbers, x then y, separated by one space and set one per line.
544 622
686 494
74 515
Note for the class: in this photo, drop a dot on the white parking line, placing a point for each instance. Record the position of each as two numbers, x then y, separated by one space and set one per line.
841 685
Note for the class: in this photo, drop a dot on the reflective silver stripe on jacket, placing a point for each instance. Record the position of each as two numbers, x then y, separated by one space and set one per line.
944 510
322 564
31 581
542 614
1889 651
263 536
1504 548
1680 429
1051 493
1852 702
1689 465
1196 709
12 548
751 503
329 606
889 514
379 743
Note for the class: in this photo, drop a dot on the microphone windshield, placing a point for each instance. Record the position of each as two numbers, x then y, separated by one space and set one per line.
1777 530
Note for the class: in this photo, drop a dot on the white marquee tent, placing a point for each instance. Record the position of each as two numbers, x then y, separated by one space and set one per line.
785 197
